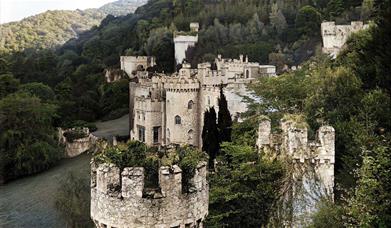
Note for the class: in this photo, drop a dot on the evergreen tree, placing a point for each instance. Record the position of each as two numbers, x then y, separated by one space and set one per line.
210 135
224 119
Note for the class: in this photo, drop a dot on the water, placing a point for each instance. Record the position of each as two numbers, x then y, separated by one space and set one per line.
30 202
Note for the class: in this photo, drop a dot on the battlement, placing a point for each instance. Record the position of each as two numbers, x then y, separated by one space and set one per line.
293 141
131 64
118 199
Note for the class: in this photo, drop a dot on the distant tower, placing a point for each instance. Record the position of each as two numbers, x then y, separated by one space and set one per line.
184 41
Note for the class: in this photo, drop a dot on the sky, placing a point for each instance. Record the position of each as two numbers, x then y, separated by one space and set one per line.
15 10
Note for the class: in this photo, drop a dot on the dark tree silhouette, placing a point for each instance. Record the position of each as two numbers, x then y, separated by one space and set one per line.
224 119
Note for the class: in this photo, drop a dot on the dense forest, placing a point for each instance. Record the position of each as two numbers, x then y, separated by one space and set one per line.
53 28
352 93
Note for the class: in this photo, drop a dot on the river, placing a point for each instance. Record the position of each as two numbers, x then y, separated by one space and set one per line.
30 201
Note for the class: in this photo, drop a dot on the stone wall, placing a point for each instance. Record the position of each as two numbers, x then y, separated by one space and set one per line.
77 146
118 198
335 36
311 164
129 64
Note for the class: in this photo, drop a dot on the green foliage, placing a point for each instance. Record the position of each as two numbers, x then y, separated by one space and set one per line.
40 90
188 160
224 119
244 188
369 206
137 154
73 201
8 85
132 154
80 124
72 135
210 135
28 142
328 215
308 20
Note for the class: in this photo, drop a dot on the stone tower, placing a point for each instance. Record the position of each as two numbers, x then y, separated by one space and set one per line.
310 164
184 41
119 199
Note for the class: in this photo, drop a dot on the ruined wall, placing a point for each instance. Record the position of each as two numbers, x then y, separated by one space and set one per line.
310 164
77 146
335 36
129 64
117 198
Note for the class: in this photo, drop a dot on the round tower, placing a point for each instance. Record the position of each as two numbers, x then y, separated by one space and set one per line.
118 198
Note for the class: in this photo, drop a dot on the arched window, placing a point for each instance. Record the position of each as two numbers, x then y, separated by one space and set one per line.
247 73
190 104
178 120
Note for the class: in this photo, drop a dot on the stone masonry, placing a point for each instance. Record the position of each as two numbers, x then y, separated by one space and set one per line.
169 109
335 36
118 198
312 164
78 146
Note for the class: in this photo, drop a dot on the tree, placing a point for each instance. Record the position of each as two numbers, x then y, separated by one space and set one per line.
40 90
224 119
244 189
277 18
28 142
308 20
210 136
8 84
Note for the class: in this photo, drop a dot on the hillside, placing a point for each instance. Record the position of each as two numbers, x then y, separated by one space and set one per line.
53 28
121 7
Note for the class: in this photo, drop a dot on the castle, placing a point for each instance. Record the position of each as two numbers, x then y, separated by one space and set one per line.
120 199
335 36
311 165
183 41
169 109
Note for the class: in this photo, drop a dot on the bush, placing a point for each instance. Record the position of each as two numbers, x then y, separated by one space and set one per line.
72 135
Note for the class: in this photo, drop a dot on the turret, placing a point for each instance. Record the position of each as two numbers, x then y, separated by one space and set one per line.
118 199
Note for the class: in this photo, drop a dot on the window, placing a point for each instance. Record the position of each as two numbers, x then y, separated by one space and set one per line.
141 133
156 134
209 100
190 134
247 73
178 120
190 104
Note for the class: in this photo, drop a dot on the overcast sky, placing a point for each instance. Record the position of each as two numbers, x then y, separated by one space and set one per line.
14 10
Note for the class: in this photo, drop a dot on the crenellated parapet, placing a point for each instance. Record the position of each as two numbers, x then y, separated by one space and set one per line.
293 141
119 199
309 163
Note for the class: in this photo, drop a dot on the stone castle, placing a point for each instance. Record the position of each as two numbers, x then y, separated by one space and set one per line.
335 36
120 199
169 109
184 41
311 165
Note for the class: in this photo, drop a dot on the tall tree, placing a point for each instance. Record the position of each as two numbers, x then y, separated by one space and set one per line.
210 136
224 119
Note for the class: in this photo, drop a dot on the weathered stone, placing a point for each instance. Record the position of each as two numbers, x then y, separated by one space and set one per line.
132 210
